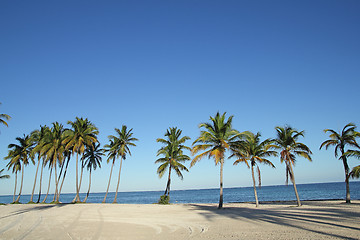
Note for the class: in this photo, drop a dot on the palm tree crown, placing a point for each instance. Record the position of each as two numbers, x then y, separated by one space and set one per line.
4 118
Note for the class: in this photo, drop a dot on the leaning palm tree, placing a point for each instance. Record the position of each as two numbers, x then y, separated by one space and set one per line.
172 155
53 150
217 137
253 150
92 158
119 147
287 143
83 134
4 118
38 137
15 166
21 152
347 137
3 176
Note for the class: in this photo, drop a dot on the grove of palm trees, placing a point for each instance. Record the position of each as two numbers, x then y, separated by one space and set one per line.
52 148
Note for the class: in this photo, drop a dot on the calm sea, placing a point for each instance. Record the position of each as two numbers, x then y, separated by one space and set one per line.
314 191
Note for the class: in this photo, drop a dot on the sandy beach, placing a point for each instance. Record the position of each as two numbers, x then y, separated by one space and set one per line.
314 220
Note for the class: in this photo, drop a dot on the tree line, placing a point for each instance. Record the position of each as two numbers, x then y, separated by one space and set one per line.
53 147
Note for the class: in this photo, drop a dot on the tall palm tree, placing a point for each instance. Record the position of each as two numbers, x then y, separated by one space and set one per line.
92 159
217 137
67 155
253 150
347 137
83 134
3 176
4 118
38 139
119 147
287 143
21 152
15 166
53 150
173 155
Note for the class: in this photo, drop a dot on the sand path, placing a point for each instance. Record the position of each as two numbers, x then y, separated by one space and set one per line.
314 220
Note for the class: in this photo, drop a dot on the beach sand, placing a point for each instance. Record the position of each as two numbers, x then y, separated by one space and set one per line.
314 220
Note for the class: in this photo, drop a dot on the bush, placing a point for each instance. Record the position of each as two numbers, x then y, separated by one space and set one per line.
164 199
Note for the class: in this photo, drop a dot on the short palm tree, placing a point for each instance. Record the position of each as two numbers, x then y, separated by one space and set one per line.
4 118
92 158
289 147
83 134
3 176
21 152
15 166
347 137
38 137
118 147
355 172
252 150
53 150
172 155
215 138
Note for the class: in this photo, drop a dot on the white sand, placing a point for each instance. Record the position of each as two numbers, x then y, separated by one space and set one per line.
314 220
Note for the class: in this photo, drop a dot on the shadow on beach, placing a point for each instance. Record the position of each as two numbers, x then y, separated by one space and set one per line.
313 216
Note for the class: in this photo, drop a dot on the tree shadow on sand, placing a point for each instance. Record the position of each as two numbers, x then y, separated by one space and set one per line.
314 217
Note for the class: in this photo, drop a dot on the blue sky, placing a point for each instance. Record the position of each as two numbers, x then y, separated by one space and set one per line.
157 64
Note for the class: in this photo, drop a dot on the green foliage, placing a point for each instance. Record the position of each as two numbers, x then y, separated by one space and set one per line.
164 199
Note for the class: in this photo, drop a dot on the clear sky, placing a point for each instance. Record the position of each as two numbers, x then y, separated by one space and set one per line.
156 64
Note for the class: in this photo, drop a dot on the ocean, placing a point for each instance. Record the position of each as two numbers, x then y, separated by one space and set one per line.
314 191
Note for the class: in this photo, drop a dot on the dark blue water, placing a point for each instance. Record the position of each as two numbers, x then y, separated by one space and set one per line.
315 191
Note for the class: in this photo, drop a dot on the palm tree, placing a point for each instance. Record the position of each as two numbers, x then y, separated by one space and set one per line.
4 118
15 166
173 155
21 152
253 150
347 137
92 159
38 139
119 147
217 137
67 155
287 143
83 134
53 150
3 176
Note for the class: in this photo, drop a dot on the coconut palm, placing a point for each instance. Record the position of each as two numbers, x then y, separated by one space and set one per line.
4 118
217 137
92 159
15 166
119 147
341 140
53 151
355 172
172 155
253 150
83 134
38 139
3 176
67 155
21 152
289 147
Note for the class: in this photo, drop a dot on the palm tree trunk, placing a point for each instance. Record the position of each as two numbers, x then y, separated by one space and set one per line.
37 169
295 189
81 175
21 183
77 198
43 201
56 185
88 192
167 191
221 183
15 186
254 184
62 182
346 167
117 187
55 191
107 190
42 168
